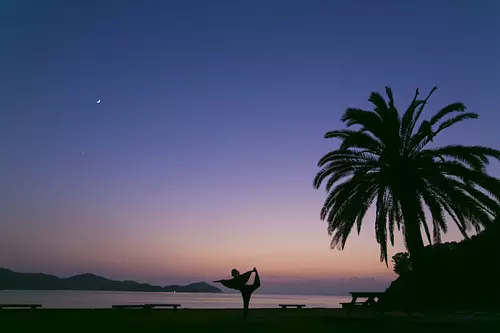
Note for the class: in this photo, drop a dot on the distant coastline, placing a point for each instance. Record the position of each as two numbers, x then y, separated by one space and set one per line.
10 280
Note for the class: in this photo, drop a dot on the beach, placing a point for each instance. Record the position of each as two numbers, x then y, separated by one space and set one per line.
230 320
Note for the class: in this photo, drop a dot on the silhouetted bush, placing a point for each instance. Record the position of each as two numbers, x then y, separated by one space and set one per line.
401 262
455 275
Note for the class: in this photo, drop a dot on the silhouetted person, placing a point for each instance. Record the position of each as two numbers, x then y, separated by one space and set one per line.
239 282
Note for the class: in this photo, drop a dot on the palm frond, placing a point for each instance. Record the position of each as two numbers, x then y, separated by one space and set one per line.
351 156
419 112
392 206
436 210
423 220
408 117
356 139
366 203
344 213
368 120
454 107
381 223
490 184
419 139
477 157
380 106
447 123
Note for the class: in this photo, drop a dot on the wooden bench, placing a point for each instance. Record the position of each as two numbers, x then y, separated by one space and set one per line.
20 306
161 305
298 306
372 302
351 305
372 299
128 306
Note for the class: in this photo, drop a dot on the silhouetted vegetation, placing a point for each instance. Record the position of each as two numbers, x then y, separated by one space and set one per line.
37 281
387 161
401 262
458 275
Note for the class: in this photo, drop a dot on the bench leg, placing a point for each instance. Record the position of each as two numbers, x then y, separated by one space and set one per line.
349 310
376 310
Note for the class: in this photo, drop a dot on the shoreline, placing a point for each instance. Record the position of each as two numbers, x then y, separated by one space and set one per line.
188 292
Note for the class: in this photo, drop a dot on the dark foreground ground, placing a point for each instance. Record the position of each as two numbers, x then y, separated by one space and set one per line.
259 320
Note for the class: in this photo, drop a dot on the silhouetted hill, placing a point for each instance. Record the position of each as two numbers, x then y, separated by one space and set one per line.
10 280
457 275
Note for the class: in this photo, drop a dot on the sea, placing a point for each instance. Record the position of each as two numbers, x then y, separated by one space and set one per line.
73 299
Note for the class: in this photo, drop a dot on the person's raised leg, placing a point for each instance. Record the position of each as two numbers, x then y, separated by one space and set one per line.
256 282
242 279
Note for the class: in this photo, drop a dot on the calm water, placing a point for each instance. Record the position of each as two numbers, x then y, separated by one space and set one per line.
104 299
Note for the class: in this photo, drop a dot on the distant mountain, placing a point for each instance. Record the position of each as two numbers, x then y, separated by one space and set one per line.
10 280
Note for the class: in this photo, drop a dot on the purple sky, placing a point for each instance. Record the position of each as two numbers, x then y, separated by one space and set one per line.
201 156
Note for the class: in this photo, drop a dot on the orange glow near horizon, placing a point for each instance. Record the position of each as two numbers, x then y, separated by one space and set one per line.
301 253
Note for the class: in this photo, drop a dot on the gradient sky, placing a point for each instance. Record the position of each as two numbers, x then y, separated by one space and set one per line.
201 156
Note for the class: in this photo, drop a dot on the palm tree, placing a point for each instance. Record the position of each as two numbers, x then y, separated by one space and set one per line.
386 161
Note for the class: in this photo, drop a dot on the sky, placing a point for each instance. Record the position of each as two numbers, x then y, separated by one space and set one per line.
201 155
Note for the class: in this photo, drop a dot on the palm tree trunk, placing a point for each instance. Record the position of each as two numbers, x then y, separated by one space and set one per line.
411 223
414 242
415 246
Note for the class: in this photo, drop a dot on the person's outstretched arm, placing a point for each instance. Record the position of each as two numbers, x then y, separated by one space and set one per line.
237 282
227 283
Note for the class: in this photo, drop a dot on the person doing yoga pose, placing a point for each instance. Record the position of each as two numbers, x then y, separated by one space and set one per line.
239 282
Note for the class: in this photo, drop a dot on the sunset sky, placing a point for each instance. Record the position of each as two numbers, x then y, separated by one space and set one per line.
201 155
